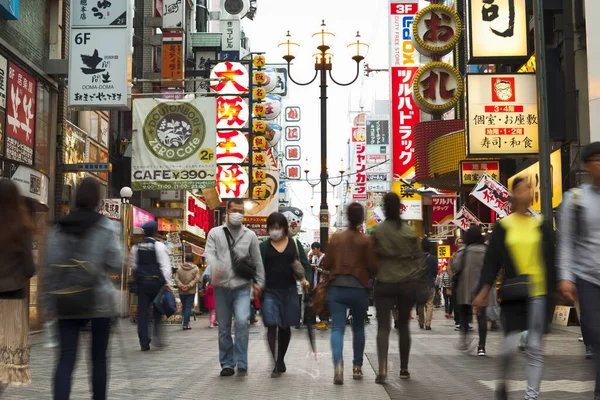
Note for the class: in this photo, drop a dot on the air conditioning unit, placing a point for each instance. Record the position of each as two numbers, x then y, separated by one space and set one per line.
234 9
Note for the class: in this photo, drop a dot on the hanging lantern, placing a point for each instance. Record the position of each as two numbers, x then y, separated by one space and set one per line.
259 109
260 78
259 175
259 192
259 61
260 142
259 93
259 158
259 126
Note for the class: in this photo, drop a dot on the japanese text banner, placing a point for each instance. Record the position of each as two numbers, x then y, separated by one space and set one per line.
442 211
493 194
464 219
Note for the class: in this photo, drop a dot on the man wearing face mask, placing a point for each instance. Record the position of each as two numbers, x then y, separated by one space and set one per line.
231 291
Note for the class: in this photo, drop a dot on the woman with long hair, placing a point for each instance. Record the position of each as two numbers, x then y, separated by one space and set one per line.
351 262
285 263
523 245
467 268
401 265
16 268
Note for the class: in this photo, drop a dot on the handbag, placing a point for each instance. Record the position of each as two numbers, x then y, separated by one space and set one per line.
242 266
165 303
297 266
319 297
514 290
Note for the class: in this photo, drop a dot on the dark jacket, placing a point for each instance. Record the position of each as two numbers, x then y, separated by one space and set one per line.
431 265
16 267
299 251
351 253
498 257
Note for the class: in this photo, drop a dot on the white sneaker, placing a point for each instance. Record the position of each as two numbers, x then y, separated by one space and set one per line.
581 339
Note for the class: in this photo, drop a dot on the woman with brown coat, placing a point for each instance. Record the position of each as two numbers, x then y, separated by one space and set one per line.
187 278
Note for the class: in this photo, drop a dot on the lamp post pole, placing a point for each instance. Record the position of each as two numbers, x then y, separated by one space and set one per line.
324 212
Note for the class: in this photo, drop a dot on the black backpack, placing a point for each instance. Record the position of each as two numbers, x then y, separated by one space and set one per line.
74 279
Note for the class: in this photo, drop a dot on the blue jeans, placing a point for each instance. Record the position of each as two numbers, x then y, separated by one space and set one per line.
589 302
536 326
229 303
187 302
339 299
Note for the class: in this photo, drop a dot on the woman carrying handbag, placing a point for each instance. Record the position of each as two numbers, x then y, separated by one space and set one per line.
524 246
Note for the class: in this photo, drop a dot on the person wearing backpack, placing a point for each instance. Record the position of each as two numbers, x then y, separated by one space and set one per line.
150 263
16 267
579 241
82 252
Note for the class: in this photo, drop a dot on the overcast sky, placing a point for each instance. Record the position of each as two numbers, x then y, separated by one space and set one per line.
343 17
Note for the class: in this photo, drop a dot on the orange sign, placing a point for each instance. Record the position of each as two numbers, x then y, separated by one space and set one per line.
172 64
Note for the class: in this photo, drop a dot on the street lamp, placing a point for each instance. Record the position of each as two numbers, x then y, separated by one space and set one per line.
324 64
126 193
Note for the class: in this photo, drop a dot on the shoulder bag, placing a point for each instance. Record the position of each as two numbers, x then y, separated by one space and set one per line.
242 266
297 266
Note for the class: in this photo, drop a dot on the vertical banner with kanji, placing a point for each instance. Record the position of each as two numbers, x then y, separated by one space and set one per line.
20 115
360 177
493 194
403 66
465 218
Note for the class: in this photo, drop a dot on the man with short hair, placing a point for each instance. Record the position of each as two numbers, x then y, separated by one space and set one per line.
579 241
152 268
232 291
317 258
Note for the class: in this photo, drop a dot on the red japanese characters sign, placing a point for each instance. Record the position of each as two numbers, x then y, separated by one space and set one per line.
442 211
293 172
232 112
232 147
405 115
292 153
292 114
233 181
493 194
360 164
465 218
293 133
229 78
472 171
20 115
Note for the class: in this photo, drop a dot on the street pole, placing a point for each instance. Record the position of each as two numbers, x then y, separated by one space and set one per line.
324 212
544 133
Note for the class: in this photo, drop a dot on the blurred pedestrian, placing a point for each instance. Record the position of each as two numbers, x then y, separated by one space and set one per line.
446 284
82 252
425 311
224 245
467 267
318 277
150 263
351 262
401 264
187 278
285 264
578 246
460 244
16 268
524 246
209 302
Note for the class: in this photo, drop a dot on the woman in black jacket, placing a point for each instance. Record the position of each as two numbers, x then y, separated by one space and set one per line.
524 246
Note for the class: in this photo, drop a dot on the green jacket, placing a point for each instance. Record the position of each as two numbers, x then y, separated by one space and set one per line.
397 249
301 256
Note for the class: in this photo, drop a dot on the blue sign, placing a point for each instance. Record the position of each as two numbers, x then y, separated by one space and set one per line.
9 9
225 55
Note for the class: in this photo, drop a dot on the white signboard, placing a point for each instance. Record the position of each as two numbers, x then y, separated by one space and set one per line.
195 216
111 208
3 79
31 183
378 187
85 13
99 68
497 30
502 114
231 38
173 144
173 17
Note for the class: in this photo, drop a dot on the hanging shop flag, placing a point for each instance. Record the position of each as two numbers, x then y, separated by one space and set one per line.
20 115
493 194
471 171
404 63
86 13
173 59
173 15
501 113
173 144
3 81
497 31
465 218
442 210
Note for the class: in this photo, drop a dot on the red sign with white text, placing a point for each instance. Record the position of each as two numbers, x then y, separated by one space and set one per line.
442 210
20 115
405 115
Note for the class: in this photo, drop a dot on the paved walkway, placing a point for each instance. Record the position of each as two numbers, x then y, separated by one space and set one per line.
188 368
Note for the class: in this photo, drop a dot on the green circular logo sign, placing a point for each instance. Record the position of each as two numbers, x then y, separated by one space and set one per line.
174 131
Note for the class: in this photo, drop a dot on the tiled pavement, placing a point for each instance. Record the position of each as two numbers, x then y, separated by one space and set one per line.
188 368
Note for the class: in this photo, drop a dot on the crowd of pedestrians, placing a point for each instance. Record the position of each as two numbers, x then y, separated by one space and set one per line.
83 251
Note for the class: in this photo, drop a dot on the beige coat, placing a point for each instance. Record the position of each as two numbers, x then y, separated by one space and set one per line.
188 275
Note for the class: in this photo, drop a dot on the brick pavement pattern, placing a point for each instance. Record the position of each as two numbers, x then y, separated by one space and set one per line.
189 368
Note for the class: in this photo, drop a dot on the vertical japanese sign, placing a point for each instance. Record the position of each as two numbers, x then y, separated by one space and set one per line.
111 208
173 14
100 54
231 35
403 67
20 118
502 114
360 165
497 30
173 59
442 210
3 77
444 254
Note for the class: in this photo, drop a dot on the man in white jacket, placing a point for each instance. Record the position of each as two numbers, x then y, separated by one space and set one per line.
232 292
